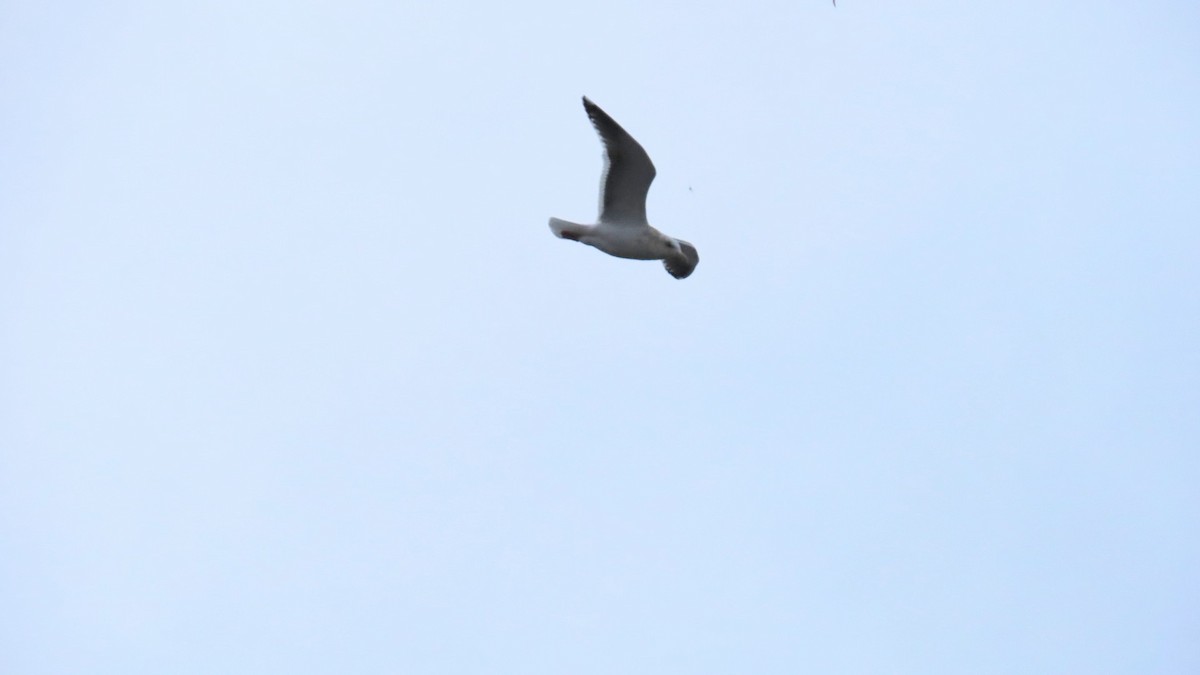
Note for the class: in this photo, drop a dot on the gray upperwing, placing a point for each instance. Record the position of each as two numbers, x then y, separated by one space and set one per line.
627 174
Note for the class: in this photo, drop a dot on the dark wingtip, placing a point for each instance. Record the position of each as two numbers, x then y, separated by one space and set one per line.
681 266
595 114
677 272
679 269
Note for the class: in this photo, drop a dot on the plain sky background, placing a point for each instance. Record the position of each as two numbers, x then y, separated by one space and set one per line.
295 379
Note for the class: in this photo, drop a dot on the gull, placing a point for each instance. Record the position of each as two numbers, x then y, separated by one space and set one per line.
622 230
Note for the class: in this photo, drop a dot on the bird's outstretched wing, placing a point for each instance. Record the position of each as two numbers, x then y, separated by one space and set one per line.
627 174
682 264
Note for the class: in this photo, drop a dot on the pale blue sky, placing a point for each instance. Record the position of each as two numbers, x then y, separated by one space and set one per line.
295 379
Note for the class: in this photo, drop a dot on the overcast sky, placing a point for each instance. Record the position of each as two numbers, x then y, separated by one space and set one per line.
294 378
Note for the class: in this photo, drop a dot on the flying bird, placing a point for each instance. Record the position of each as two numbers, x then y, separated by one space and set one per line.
622 230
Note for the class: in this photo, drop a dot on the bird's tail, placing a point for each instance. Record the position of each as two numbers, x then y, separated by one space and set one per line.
564 229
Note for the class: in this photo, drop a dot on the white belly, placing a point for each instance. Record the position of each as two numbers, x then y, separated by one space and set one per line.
625 241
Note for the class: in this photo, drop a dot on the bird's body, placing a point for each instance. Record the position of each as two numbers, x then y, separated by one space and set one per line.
620 240
622 230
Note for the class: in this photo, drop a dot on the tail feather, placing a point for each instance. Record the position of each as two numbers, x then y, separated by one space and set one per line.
565 229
